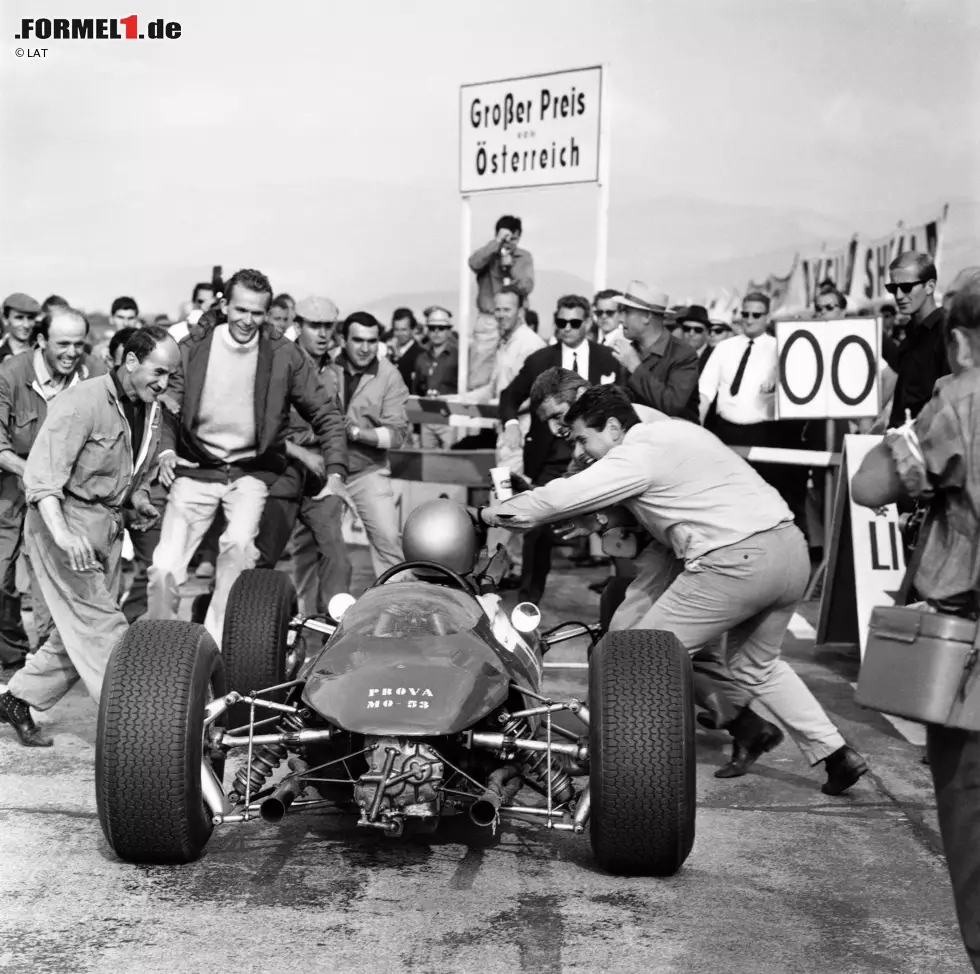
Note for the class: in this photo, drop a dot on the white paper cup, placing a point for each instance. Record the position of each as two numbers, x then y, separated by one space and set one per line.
501 483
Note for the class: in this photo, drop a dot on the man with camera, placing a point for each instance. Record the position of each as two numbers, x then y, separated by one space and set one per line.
937 458
499 264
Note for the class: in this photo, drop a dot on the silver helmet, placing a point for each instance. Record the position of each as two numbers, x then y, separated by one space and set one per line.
441 531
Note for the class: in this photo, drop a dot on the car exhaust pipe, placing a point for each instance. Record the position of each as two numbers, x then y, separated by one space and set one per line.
502 787
274 808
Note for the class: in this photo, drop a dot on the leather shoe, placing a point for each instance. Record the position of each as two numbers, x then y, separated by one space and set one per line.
844 767
753 736
18 714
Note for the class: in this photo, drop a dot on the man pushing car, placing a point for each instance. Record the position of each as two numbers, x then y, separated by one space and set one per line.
742 563
87 476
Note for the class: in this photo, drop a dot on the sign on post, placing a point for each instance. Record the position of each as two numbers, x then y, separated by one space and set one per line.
828 369
866 564
539 130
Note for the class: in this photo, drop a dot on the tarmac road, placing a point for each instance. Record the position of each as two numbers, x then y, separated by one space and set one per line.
782 879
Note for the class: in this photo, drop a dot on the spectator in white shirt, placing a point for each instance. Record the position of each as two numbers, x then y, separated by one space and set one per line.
740 381
745 565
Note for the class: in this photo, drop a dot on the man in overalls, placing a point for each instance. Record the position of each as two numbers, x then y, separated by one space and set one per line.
90 466
28 383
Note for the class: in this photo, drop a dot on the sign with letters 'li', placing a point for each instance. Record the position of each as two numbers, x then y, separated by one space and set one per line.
828 369
540 130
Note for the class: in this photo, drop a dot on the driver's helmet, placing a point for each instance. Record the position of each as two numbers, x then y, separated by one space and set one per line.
441 531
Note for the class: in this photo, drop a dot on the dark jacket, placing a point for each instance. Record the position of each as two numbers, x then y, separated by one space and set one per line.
667 379
919 361
407 362
541 447
437 373
703 358
284 377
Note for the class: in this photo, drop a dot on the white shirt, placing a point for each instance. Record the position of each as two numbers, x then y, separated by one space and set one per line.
756 399
610 337
681 483
580 356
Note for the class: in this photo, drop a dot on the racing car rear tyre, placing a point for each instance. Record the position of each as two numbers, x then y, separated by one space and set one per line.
253 643
149 746
641 750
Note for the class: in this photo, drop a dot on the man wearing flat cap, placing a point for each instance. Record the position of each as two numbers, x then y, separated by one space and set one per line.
662 370
437 374
19 314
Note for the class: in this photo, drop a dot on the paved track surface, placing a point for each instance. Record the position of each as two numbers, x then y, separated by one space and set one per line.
782 879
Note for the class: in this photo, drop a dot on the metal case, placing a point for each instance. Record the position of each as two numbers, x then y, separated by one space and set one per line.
922 666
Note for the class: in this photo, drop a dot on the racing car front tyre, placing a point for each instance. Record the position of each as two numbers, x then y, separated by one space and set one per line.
253 643
641 751
150 742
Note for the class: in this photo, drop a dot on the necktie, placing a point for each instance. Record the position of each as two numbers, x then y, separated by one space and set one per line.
737 383
575 361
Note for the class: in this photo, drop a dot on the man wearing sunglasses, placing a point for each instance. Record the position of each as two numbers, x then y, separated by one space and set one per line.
437 374
546 456
605 314
921 359
694 324
740 381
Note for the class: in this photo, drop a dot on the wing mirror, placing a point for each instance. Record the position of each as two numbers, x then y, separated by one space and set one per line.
526 617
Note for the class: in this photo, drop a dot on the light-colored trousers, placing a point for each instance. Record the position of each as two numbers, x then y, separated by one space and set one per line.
316 556
374 498
191 508
84 606
750 591
435 437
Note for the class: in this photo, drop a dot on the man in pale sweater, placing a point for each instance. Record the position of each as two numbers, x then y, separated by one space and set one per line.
226 444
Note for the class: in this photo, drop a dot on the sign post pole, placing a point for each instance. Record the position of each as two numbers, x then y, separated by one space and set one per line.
601 273
465 291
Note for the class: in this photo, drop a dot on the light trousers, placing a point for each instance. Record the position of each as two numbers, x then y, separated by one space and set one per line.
374 498
750 591
191 508
83 605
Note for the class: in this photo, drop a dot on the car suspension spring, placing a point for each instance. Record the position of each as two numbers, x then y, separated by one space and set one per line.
265 759
535 765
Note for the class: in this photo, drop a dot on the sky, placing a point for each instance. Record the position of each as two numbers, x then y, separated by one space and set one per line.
318 140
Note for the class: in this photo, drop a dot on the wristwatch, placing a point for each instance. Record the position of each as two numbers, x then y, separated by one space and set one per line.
602 520
355 432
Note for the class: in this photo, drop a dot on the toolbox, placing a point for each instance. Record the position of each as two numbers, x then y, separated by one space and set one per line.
922 666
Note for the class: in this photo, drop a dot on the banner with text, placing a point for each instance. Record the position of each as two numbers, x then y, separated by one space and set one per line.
834 265
539 130
874 256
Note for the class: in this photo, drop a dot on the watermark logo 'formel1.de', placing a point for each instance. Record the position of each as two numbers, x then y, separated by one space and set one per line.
96 28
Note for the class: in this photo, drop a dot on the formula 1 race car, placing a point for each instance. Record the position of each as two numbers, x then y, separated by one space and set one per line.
424 700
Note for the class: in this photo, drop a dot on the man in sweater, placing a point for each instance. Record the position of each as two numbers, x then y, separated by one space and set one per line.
226 446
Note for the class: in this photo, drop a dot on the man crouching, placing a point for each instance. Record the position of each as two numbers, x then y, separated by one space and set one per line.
745 563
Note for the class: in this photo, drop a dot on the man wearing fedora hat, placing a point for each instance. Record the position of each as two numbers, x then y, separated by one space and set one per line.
695 323
663 370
